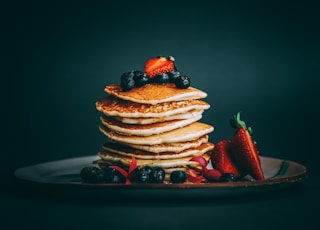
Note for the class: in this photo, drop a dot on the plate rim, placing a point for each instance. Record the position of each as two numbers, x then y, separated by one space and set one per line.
292 179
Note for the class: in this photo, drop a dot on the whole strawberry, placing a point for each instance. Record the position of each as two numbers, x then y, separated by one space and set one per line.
243 149
221 160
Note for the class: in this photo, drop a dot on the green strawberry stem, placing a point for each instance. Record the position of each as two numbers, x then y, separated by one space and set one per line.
237 123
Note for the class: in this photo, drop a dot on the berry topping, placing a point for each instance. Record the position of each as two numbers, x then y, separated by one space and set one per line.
161 78
173 75
95 175
159 65
140 78
228 177
127 81
159 70
141 175
157 175
182 82
91 174
112 175
178 176
146 174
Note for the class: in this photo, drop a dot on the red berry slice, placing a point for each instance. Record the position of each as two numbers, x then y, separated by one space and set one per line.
159 65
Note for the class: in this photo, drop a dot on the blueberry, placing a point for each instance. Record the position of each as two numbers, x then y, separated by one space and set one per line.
178 176
100 177
142 175
127 81
91 174
147 169
161 78
140 78
173 75
182 82
157 175
228 177
112 175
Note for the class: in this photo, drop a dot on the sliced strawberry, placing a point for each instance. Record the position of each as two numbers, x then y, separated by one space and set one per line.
159 65
244 151
221 159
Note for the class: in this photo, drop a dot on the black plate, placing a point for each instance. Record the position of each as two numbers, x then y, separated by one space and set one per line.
63 176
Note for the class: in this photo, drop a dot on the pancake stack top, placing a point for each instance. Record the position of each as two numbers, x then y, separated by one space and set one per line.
158 124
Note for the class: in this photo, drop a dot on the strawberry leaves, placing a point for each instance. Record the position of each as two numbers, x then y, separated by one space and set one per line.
237 123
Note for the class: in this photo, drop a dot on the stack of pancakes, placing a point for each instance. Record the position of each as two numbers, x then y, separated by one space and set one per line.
158 124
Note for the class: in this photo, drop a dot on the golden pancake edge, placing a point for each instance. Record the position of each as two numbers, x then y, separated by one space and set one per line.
155 93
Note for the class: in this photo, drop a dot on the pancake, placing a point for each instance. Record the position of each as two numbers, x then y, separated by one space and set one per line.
172 147
115 159
157 124
122 150
187 133
146 130
111 106
155 93
151 120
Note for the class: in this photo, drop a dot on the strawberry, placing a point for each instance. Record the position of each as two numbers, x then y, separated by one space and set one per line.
159 65
221 159
244 151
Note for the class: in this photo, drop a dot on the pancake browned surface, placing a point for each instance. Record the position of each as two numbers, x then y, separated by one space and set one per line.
155 93
146 130
151 120
187 133
111 158
125 151
111 106
171 147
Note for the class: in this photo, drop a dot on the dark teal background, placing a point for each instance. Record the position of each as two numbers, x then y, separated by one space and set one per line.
258 58
261 58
